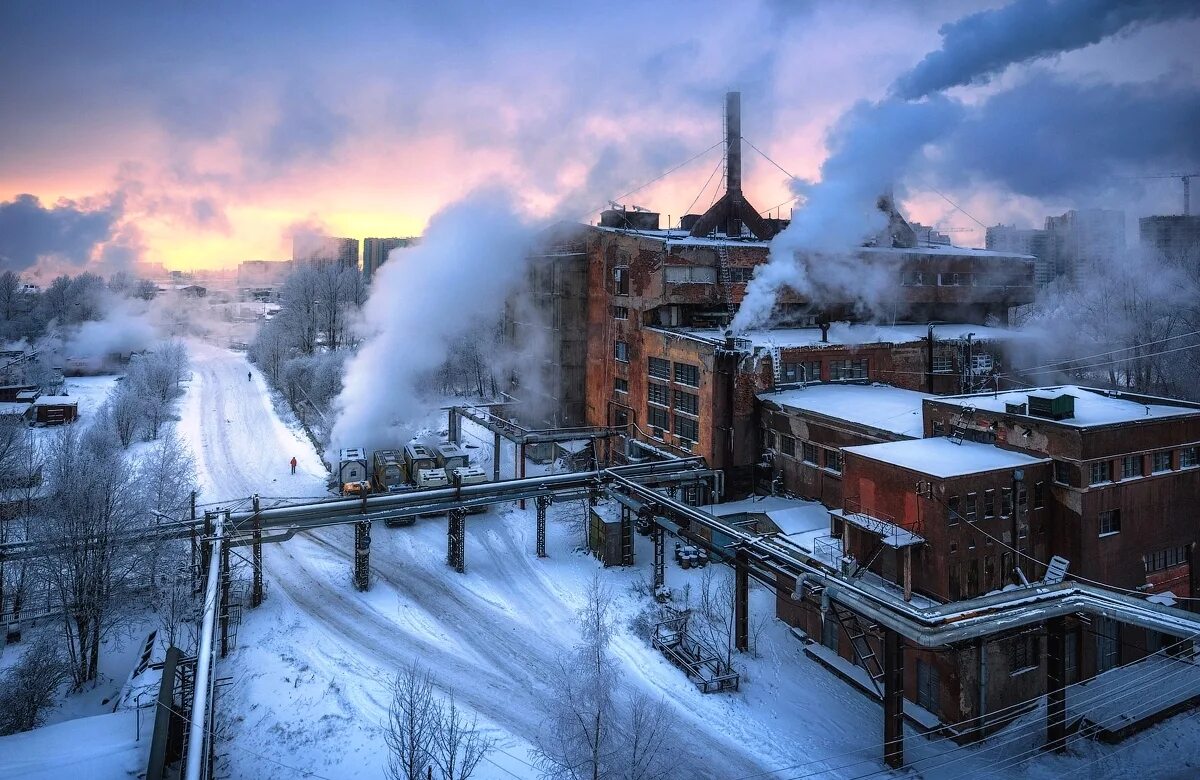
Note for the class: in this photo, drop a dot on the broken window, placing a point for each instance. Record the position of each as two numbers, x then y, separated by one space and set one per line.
621 280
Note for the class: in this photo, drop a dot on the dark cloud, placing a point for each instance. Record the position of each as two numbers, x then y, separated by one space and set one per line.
1050 138
980 46
305 130
67 231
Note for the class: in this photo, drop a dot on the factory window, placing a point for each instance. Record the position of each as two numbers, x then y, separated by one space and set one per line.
1101 472
1022 498
954 280
809 453
938 428
621 280
1110 522
659 368
620 313
621 385
913 278
1189 456
621 351
989 504
789 446
954 504
1165 559
833 460
687 375
687 429
802 371
689 403
1162 461
657 417
1039 495
1131 466
847 369
690 274
942 364
1062 473
658 394
971 507
740 275
1026 653
1006 502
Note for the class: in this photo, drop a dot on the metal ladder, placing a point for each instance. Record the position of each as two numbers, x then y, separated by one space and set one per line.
961 424
726 277
863 653
866 564
776 365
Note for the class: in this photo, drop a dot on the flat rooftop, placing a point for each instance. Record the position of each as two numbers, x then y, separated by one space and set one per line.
680 237
881 407
940 457
1092 406
845 334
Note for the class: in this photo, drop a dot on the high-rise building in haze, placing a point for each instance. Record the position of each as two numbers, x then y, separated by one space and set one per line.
1173 236
309 249
1025 241
375 252
1085 241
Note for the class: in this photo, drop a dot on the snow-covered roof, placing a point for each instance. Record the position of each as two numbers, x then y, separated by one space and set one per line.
794 517
940 457
56 400
882 407
13 409
842 334
1092 406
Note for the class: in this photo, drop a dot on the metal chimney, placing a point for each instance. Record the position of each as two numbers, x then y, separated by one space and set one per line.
732 210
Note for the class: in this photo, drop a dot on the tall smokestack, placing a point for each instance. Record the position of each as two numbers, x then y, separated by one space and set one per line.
732 210
733 162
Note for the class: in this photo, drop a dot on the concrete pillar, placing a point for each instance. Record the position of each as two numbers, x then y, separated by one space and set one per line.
660 557
1056 681
521 466
452 426
893 700
456 542
741 603
223 608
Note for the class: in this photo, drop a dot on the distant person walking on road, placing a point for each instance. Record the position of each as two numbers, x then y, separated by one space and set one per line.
249 378
293 465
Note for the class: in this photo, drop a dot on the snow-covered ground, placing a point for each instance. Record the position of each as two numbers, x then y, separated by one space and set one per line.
309 674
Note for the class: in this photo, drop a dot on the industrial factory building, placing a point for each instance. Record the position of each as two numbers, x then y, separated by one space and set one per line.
941 479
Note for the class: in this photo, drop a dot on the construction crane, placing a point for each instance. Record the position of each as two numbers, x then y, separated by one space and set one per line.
1187 186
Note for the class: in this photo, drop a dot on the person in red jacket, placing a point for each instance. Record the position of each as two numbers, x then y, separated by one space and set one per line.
293 465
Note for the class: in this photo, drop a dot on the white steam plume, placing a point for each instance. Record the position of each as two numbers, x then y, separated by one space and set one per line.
983 44
471 257
815 255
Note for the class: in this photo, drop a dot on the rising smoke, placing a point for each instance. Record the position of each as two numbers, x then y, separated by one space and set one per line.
876 144
471 257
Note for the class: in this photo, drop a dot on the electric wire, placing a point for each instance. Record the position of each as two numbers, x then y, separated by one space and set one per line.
768 159
707 181
1113 362
1114 351
660 177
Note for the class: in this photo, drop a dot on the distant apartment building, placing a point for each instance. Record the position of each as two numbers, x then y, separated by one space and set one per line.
261 273
927 234
1085 241
1026 241
375 252
1172 236
325 250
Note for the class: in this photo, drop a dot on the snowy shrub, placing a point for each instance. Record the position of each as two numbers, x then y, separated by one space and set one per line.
27 690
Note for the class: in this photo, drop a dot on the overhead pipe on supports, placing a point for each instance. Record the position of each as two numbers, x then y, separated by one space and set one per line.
200 728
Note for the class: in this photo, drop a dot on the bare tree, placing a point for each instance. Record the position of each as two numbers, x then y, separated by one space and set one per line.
28 689
712 618
459 745
91 515
648 750
412 725
123 412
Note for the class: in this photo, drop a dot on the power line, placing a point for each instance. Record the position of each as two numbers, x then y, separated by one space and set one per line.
707 181
960 208
661 176
768 159
1115 351
1113 362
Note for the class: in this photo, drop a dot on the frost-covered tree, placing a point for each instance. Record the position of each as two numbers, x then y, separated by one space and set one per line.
411 725
90 521
458 744
27 689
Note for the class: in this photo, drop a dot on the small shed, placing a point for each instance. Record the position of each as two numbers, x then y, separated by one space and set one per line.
10 392
352 466
27 396
55 410
610 534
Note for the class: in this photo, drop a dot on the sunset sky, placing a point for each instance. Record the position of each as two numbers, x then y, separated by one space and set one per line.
202 134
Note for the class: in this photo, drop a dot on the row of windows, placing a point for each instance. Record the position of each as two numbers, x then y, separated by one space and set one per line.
802 371
951 279
1165 559
684 427
971 586
810 370
740 274
972 506
689 274
1132 466
829 457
